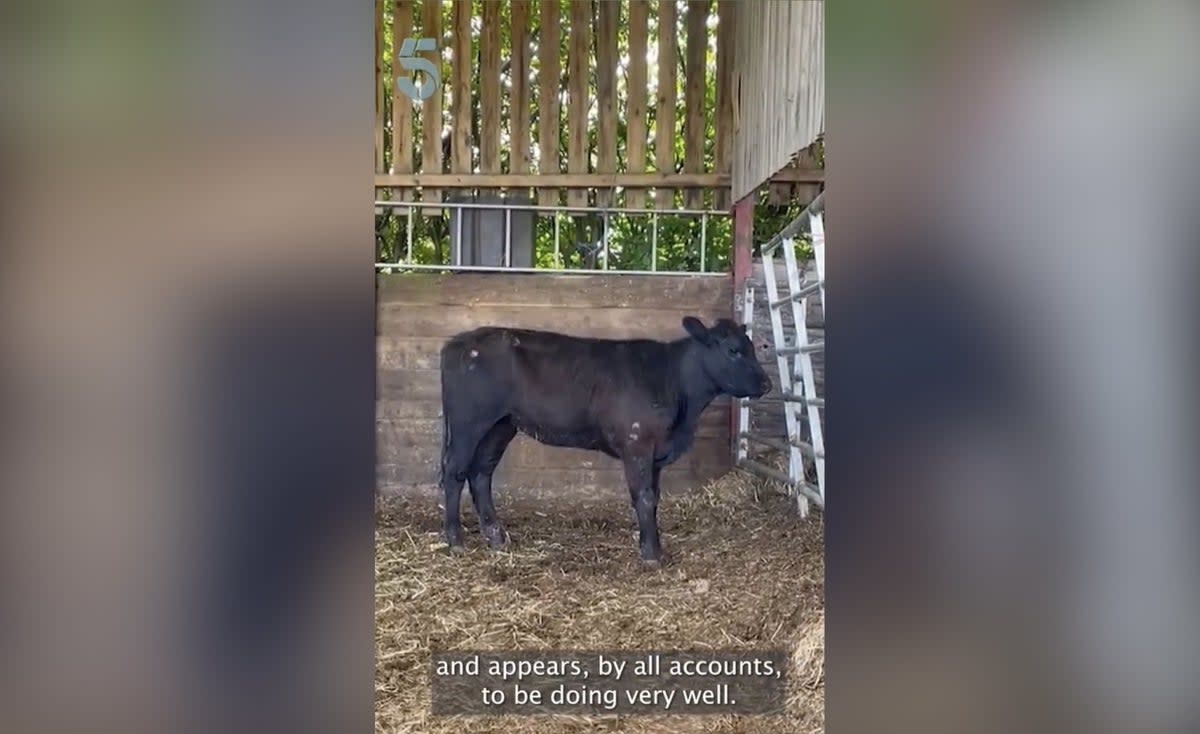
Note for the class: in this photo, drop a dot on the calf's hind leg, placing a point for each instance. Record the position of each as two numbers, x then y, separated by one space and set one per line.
458 452
487 458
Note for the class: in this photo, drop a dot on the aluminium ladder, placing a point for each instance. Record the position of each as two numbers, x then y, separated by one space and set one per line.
794 360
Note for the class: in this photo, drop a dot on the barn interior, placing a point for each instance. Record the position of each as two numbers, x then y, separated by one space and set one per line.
599 169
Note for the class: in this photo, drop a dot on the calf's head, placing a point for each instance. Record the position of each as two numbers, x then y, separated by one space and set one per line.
727 357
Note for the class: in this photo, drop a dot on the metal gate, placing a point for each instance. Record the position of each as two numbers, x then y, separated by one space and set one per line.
793 351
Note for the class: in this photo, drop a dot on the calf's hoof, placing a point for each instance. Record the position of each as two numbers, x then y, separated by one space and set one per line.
456 550
496 536
655 561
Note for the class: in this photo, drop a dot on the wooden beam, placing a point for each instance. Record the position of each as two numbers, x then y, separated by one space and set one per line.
577 104
460 149
553 180
800 175
379 103
489 90
694 121
726 50
608 17
431 110
743 267
635 116
743 242
402 139
518 120
664 104
549 76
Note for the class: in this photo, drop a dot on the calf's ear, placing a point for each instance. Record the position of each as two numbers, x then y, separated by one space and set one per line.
696 328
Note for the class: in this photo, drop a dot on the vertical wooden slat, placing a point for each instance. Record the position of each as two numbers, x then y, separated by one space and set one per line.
775 120
608 16
431 111
519 117
664 126
549 74
460 149
697 51
723 145
577 90
635 117
379 86
402 139
489 90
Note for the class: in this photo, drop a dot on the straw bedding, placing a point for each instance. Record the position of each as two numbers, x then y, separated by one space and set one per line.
747 573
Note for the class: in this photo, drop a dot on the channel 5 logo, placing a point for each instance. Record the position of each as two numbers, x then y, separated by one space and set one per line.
413 63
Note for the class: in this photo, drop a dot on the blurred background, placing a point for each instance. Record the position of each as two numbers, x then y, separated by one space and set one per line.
187 354
1012 534
187 321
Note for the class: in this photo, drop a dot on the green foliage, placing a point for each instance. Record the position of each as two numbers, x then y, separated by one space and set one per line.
631 241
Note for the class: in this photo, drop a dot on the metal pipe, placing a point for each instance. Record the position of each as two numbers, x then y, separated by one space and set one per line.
556 216
703 239
813 347
541 208
770 473
605 242
804 292
797 226
793 398
654 242
507 238
808 450
771 443
410 234
498 269
803 488
764 441
458 238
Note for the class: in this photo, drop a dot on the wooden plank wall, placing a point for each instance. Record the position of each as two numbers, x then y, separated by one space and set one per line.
418 312
601 78
779 75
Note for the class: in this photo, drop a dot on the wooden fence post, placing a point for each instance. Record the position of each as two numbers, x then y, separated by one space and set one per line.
743 266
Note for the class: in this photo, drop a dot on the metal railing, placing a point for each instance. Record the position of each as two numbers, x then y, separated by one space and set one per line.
797 380
802 224
407 263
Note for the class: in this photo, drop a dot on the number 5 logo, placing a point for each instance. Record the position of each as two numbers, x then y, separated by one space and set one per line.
417 64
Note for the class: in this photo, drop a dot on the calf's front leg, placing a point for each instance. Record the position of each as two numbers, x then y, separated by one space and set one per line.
642 477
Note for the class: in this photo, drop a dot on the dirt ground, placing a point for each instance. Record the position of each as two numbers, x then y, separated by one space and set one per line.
747 573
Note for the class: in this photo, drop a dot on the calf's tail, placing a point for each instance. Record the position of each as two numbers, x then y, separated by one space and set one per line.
445 444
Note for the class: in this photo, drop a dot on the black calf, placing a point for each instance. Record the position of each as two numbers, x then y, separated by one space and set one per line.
637 400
